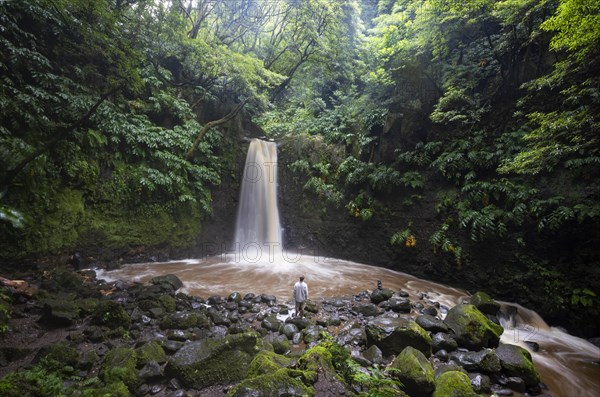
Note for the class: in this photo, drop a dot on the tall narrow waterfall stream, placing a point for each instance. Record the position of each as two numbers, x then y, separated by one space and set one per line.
569 366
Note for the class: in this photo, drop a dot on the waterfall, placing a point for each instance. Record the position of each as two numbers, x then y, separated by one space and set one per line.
258 231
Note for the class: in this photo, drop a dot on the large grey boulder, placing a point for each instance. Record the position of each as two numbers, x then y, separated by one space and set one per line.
517 361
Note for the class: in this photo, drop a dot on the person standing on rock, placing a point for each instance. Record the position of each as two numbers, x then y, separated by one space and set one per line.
300 296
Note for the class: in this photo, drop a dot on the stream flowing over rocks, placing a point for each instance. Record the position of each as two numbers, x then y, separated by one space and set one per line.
136 339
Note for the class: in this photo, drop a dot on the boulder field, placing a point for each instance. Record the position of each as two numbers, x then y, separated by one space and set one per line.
80 336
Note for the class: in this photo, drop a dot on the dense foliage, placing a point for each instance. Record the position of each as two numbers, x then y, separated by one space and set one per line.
488 108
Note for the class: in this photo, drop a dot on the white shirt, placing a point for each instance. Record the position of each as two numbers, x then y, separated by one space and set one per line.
300 291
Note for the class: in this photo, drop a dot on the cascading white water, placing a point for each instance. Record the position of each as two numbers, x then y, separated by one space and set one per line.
258 230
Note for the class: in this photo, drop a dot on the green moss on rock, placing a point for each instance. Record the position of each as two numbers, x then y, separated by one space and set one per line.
414 371
485 303
207 362
168 303
267 362
151 351
119 365
472 328
453 384
111 314
282 382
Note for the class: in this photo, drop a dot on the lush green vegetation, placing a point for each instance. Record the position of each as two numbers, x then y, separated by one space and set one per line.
118 117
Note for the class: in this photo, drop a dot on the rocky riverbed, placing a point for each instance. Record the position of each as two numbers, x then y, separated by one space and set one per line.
76 335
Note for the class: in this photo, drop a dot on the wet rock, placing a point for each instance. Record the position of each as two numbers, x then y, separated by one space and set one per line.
311 334
218 331
534 346
367 309
360 359
430 310
485 303
301 323
352 336
392 335
443 341
380 295
202 363
170 279
481 383
447 367
239 328
271 323
289 330
150 370
373 354
400 305
235 297
280 343
171 346
485 361
270 300
453 383
179 335
215 300
184 320
219 317
515 383
471 328
412 368
431 324
297 338
517 361
441 355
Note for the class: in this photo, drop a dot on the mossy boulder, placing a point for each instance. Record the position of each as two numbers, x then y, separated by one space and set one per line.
111 314
414 371
485 303
267 362
119 365
207 362
472 329
168 303
517 361
453 384
392 335
151 351
283 382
